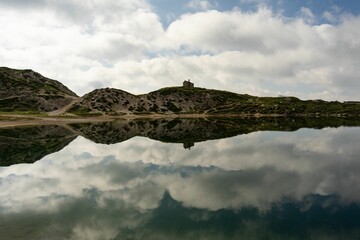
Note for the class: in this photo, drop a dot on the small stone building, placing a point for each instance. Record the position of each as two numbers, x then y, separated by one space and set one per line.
188 84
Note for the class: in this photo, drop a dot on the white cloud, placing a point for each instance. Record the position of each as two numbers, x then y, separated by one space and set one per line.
216 31
285 56
62 44
91 44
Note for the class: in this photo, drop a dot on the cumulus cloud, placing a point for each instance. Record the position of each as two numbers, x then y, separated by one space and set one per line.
62 40
91 44
216 31
294 54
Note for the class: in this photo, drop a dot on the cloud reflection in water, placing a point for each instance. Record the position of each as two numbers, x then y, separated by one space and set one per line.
95 191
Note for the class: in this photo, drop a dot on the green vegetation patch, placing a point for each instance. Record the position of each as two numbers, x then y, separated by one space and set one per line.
79 110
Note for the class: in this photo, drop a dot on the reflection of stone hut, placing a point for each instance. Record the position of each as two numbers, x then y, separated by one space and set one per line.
188 84
188 145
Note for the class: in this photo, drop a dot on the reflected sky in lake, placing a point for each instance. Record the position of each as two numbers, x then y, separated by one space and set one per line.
262 185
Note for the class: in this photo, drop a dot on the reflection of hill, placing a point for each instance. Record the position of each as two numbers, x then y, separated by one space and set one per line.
188 131
29 144
175 130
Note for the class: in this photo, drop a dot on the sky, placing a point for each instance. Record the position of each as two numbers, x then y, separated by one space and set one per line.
304 48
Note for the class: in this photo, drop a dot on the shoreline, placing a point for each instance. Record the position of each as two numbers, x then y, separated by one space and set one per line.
15 120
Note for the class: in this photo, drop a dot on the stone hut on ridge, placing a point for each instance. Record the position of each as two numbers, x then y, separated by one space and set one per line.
188 84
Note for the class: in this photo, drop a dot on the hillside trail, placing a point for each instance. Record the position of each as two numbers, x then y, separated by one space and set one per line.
65 108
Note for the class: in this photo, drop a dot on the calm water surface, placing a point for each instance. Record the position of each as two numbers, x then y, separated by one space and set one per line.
303 184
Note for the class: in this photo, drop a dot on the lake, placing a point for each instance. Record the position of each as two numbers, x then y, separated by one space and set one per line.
182 179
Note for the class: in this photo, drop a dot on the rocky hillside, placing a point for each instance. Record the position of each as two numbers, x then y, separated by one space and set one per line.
26 90
181 100
166 100
105 101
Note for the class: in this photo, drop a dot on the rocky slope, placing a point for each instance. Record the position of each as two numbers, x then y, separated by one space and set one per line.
181 100
163 101
26 90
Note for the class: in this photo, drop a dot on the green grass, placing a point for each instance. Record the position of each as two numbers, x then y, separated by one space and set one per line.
196 90
286 106
82 111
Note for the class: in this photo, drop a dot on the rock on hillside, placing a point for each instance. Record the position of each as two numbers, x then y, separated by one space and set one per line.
26 90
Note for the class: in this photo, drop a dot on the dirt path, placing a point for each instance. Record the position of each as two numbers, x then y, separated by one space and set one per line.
18 121
65 108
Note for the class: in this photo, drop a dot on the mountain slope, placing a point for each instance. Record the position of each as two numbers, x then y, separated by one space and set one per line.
166 100
106 100
26 90
182 100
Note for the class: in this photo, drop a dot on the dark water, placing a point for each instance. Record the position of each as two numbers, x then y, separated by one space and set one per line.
162 180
